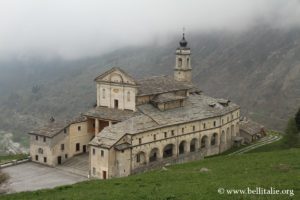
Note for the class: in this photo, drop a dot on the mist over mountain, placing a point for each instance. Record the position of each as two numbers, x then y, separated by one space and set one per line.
259 69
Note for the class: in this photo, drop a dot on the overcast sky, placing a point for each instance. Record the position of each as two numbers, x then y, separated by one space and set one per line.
78 28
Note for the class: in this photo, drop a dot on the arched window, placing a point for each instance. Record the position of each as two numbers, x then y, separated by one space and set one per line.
182 147
214 139
204 142
103 93
193 145
40 150
179 62
128 96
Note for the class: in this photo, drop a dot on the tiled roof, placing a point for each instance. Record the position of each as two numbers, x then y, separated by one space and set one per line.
53 128
110 113
166 97
160 84
196 108
251 127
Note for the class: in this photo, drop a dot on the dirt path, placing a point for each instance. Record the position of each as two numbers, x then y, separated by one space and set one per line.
266 140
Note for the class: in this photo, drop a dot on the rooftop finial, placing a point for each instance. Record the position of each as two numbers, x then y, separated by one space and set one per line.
183 42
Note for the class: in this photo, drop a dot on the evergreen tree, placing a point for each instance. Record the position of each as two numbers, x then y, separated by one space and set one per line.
297 119
292 137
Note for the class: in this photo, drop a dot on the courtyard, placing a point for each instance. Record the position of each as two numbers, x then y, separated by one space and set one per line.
31 176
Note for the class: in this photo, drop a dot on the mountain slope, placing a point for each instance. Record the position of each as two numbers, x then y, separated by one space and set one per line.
259 69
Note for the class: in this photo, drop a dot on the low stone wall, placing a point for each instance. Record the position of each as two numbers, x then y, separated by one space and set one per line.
14 162
183 158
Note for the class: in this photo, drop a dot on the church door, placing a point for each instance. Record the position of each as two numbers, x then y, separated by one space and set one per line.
59 160
104 174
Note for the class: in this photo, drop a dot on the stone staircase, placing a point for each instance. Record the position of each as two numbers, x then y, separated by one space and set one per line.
77 165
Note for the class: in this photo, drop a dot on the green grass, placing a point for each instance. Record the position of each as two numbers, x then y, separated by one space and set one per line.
278 169
7 158
275 146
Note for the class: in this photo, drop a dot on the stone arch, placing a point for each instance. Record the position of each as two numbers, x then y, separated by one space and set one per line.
141 157
194 145
183 147
214 139
168 150
179 62
154 155
204 142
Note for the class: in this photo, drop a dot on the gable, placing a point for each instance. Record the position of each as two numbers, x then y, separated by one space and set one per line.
116 75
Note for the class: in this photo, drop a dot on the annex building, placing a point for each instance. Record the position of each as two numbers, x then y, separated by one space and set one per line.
141 124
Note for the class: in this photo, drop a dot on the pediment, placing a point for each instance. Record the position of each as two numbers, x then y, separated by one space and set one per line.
116 75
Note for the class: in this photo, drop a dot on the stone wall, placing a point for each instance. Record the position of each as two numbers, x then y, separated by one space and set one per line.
183 158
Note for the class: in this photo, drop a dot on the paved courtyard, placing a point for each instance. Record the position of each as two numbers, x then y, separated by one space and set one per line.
31 176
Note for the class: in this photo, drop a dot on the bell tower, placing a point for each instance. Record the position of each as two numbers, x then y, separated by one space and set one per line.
183 69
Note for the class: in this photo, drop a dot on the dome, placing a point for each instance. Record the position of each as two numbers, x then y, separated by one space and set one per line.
183 42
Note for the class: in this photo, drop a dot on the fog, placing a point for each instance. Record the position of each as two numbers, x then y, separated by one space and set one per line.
74 29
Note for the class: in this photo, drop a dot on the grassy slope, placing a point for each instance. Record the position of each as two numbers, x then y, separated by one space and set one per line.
7 158
279 169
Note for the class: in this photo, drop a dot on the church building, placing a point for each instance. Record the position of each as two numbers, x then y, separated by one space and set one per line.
144 124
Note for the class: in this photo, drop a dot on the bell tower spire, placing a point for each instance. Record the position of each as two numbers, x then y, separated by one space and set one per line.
183 69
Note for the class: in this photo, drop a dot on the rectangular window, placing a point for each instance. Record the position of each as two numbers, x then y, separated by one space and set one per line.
194 128
36 157
66 156
172 132
62 147
36 137
94 171
138 159
222 121
215 123
44 139
165 134
204 125
154 137
77 146
94 151
140 140
79 128
102 153
45 159
65 130
182 130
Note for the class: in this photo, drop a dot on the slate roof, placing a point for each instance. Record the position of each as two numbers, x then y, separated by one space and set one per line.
196 108
166 97
53 128
110 113
160 84
251 127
